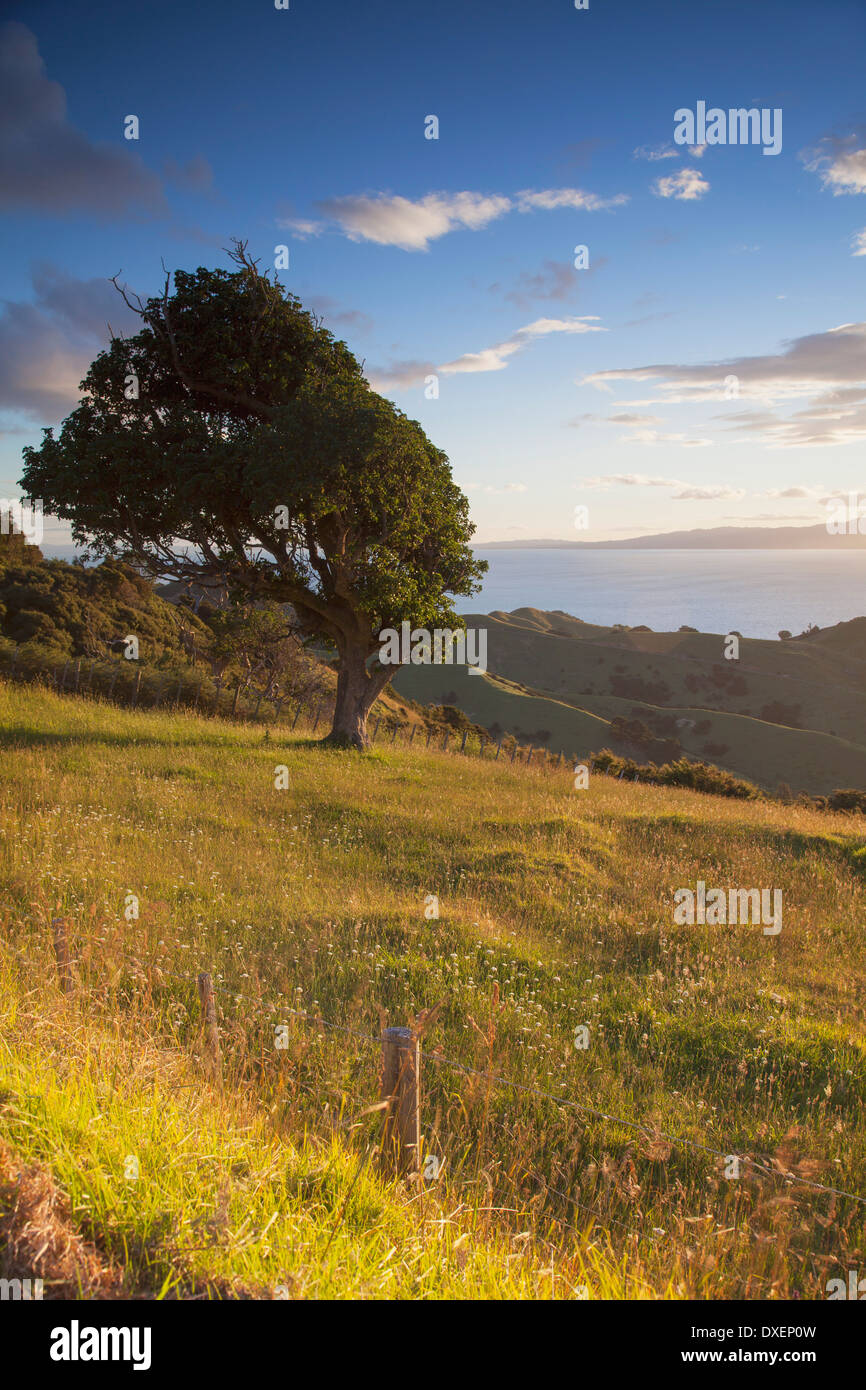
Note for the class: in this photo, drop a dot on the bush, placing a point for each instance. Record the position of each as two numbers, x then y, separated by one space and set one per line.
848 800
701 777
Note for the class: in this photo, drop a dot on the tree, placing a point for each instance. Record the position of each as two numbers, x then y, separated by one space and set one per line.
234 440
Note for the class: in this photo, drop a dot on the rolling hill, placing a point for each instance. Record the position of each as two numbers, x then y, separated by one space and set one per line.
790 711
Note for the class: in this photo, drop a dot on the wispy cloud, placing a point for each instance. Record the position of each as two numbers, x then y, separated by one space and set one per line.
655 152
552 198
830 367
491 359
412 224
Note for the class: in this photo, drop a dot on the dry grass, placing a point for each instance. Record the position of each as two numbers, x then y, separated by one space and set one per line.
556 909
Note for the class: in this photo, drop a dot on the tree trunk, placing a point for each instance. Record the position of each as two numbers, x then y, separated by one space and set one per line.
357 689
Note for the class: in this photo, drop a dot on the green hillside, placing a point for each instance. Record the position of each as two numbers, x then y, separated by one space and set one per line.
786 711
309 905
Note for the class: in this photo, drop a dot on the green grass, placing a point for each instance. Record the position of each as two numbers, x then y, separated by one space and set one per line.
550 677
556 910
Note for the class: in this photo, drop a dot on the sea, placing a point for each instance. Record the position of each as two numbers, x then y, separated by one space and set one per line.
757 593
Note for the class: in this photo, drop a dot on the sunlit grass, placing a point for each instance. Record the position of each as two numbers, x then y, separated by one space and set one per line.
556 910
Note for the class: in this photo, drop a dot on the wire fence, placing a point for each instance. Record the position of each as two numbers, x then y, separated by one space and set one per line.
69 961
136 687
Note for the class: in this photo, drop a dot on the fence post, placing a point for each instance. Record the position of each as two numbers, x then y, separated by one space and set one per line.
135 689
463 744
237 697
401 1087
316 720
412 735
445 744
376 730
514 750
61 952
297 713
211 1027
429 736
77 674
394 735
483 746
498 749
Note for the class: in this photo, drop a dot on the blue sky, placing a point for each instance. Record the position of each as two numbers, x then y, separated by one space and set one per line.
558 387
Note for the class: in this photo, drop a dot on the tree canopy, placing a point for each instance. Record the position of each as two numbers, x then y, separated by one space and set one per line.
233 438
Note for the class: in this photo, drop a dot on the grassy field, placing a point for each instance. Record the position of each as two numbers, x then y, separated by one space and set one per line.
553 679
555 912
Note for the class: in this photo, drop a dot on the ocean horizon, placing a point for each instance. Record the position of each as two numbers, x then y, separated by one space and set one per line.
755 592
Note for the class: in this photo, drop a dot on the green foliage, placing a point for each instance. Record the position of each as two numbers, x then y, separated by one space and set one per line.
246 405
701 777
76 611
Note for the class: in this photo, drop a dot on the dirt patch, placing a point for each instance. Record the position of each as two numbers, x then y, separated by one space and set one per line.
39 1239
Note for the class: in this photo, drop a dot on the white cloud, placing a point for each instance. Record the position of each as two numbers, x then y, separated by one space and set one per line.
697 151
494 358
400 375
686 185
655 152
858 241
680 491
841 165
552 198
396 221
390 220
301 227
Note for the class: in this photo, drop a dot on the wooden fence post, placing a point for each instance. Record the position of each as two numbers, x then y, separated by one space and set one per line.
429 736
412 735
237 697
401 1087
498 749
77 674
297 713
135 690
61 952
376 730
211 1027
445 744
483 746
514 750
316 720
394 735
463 744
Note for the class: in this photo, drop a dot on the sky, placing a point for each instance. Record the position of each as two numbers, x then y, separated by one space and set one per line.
705 367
